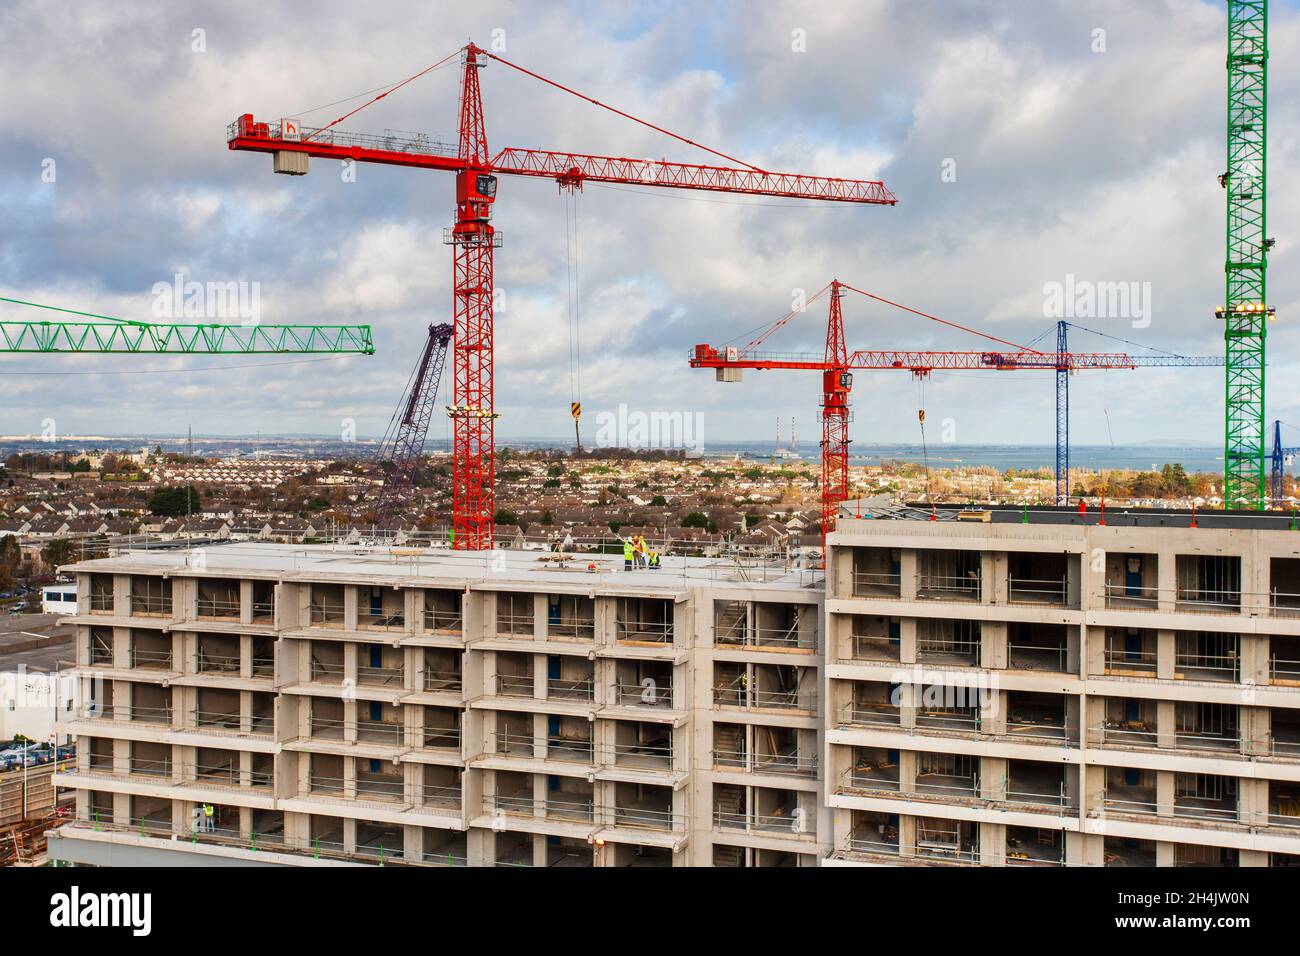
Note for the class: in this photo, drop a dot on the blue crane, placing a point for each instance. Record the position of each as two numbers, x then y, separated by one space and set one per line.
1160 359
1281 457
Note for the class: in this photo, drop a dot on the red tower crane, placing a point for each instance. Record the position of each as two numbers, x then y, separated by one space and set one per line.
473 237
837 378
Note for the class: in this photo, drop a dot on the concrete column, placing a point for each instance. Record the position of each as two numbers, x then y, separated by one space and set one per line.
1164 793
1166 853
1082 849
907 565
907 761
1166 579
1166 724
993 844
246 601
994 652
993 778
1166 652
906 639
1094 650
994 719
350 603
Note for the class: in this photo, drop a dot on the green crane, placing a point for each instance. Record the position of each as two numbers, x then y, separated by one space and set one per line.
1245 310
108 334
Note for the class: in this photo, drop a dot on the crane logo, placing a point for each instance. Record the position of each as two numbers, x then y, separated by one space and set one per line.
290 130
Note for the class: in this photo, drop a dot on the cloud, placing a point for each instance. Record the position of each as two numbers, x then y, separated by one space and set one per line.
1068 161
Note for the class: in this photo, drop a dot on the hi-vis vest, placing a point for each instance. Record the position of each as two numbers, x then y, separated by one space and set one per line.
627 549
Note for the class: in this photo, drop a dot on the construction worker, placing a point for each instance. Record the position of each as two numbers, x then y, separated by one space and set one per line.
638 547
209 823
627 554
654 560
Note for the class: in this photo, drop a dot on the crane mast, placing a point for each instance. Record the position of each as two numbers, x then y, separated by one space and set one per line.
1245 311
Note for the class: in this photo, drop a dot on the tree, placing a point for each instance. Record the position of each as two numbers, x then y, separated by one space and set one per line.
174 502
506 517
698 519
658 501
58 552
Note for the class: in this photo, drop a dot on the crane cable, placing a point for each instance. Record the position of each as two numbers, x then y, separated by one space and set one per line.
571 288
920 416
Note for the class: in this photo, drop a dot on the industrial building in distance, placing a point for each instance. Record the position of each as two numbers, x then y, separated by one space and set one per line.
1024 688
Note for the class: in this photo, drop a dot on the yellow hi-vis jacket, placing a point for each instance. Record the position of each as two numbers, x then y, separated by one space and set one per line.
627 549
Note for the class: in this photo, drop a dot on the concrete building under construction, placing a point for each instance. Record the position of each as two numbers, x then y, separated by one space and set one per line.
1035 690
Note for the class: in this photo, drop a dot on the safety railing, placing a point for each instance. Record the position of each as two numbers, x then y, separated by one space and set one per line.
380 676
1201 810
263 612
101 651
320 783
379 732
736 694
952 785
1026 858
1038 657
101 603
435 620
1058 799
223 720
149 715
209 663
570 749
1039 728
875 647
948 587
149 768
509 744
1281 670
516 625
1192 738
939 648
439 680
1130 805
863 778
731 628
1282 604
571 629
1221 667
1134 662
571 689
646 694
1038 591
885 584
868 841
151 659
759 822
1132 597
327 728
227 775
381 788
327 672
1283 747
646 818
151 605
788 763
1124 733
263 666
218 608
644 632
444 858
643 756
1208 600
959 721
321 614
441 738
730 759
861 714
440 797
947 852
515 685
381 620
791 638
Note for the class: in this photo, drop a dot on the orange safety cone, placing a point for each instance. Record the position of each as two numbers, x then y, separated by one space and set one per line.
1102 522
1083 507
1193 514
933 516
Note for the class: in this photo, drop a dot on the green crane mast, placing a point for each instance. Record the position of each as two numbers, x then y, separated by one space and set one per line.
1245 311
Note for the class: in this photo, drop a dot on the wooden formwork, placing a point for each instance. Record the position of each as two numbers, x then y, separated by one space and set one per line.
23 799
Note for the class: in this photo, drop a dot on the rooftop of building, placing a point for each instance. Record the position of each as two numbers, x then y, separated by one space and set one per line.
434 567
881 508
35 642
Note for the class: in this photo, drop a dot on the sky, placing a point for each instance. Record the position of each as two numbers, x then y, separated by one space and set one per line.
1029 142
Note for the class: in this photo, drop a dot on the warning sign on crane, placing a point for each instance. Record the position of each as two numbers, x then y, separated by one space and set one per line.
575 409
291 130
